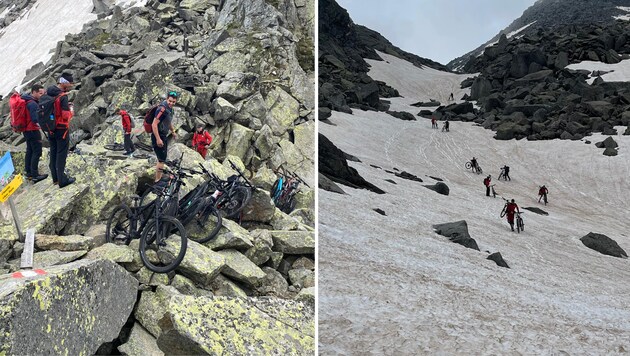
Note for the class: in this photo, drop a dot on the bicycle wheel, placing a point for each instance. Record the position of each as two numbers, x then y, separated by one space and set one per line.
237 200
118 229
504 211
521 224
114 147
169 244
518 225
468 165
210 216
479 170
275 189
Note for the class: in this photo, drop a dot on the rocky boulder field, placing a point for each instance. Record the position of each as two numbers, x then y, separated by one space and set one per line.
245 69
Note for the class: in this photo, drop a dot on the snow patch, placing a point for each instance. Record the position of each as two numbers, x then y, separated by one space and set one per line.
30 39
623 17
511 34
620 71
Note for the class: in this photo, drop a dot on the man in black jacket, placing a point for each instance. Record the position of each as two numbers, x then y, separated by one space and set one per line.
32 135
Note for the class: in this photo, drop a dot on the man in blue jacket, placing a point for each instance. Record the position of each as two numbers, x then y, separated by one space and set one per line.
32 134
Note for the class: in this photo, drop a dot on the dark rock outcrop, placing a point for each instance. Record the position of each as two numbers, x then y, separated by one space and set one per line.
403 115
457 232
439 187
603 244
380 211
498 259
333 165
536 210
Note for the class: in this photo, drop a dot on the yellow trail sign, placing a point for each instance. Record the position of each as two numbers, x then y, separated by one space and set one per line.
10 188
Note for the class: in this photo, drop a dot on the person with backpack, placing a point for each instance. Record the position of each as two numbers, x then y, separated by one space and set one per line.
510 209
542 193
201 140
434 124
56 112
445 127
127 124
486 182
161 118
24 118
474 164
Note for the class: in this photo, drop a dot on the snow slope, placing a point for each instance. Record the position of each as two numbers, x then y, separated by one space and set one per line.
390 285
31 38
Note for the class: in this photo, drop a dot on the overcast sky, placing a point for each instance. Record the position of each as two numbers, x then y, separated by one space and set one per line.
441 30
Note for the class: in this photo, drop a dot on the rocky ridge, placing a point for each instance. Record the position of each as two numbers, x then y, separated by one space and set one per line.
548 14
524 89
245 73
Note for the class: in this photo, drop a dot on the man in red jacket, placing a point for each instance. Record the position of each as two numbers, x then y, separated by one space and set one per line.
127 125
542 192
60 139
201 140
510 209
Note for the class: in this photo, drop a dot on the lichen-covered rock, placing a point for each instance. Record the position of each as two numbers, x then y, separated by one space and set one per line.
273 284
241 268
294 242
231 235
64 243
234 326
260 207
140 343
302 277
201 264
112 252
239 141
52 258
223 109
306 295
224 287
187 286
72 309
98 233
283 110
262 243
282 221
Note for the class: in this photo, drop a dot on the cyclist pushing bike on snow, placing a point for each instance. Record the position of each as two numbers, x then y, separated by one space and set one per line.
505 173
511 210
542 194
474 165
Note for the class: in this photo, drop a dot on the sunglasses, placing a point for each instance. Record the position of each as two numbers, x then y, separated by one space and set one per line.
172 93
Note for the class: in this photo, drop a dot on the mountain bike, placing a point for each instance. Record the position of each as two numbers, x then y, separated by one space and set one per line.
494 193
476 169
502 174
543 197
284 190
115 146
162 237
233 195
195 205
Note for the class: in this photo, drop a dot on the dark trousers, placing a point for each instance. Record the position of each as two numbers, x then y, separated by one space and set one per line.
129 146
487 191
33 152
59 144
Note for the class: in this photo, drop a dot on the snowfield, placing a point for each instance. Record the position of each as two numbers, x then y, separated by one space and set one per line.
391 285
33 37
619 72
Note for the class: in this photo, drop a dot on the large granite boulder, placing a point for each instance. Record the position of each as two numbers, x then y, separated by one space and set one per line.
457 232
603 244
96 296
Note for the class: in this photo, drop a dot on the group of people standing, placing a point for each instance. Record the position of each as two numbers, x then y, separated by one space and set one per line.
32 112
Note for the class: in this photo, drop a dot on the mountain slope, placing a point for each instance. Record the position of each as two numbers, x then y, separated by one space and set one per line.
408 290
551 13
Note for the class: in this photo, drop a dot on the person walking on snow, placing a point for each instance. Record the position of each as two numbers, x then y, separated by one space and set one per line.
542 194
201 140
127 124
445 127
434 124
474 164
486 182
510 209
506 173
451 97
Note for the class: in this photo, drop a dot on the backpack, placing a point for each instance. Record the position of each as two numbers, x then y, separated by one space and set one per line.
148 119
49 111
19 113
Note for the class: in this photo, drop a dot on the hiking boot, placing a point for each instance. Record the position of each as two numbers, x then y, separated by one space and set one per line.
39 178
69 181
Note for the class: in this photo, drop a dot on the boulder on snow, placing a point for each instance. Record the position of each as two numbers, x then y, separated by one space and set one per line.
603 244
498 259
609 142
439 187
403 115
72 308
457 232
609 151
536 210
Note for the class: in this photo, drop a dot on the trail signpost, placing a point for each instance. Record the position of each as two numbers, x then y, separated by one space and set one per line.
9 186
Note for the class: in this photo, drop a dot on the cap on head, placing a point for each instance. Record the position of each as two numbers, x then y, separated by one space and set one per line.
200 126
512 200
66 78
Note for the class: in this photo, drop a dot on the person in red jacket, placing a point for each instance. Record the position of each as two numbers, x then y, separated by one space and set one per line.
32 135
510 209
486 182
60 139
201 140
127 125
542 192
